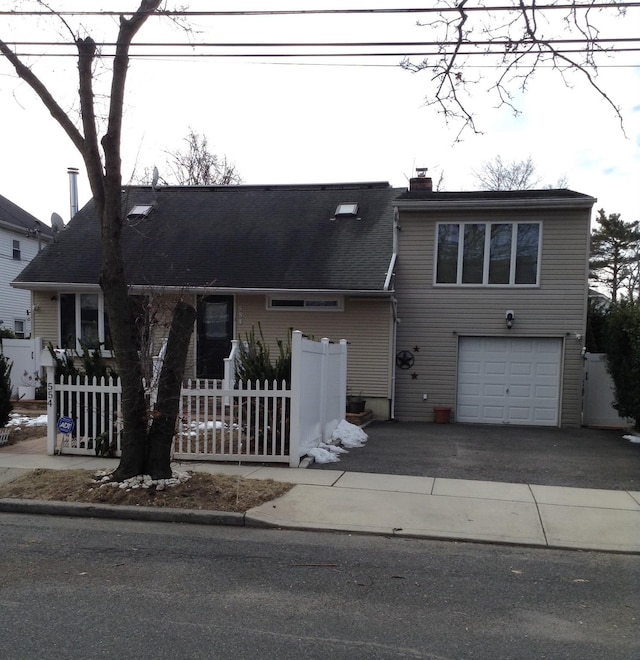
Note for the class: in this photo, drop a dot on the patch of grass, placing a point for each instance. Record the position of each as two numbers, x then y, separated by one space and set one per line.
202 491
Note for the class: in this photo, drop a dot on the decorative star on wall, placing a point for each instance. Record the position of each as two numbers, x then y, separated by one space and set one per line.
416 349
414 376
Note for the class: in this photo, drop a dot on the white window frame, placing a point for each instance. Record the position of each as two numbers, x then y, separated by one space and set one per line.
306 304
487 251
16 250
78 319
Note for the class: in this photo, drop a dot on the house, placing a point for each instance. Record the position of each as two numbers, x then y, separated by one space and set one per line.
21 238
491 292
473 303
315 258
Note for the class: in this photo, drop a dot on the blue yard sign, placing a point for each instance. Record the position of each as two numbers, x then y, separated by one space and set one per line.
65 425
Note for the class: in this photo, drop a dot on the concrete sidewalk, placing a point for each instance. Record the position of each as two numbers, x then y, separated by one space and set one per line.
397 505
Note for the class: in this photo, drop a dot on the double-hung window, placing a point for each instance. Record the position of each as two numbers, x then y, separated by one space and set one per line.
488 253
82 320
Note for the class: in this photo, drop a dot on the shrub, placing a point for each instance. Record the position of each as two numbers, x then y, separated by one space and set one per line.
623 358
255 360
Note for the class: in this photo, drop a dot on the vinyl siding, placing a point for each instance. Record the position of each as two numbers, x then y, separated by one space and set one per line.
44 322
433 317
14 303
365 324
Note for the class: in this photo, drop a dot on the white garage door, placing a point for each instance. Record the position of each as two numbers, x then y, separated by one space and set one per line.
509 380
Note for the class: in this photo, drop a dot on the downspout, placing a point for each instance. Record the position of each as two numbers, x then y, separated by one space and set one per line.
394 330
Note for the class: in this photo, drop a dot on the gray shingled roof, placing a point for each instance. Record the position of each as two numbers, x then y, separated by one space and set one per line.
11 215
239 237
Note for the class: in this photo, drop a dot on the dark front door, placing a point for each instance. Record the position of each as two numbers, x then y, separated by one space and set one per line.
215 331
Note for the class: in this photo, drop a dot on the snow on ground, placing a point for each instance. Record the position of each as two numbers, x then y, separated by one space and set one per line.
348 435
633 438
24 420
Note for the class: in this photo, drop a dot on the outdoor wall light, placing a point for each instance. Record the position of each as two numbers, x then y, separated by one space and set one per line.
510 317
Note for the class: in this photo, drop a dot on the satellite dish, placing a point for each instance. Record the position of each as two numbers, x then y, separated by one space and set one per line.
57 224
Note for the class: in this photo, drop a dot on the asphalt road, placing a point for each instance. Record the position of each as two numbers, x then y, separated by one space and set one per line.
582 458
82 588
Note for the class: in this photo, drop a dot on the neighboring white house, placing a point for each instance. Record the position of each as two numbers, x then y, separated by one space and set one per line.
21 238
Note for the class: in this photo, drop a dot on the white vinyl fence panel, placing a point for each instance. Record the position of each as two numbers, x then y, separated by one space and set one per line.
218 421
599 395
24 354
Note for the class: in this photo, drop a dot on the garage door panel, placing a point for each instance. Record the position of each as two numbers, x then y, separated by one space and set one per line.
547 369
519 414
492 390
509 380
520 369
497 368
542 392
520 392
493 414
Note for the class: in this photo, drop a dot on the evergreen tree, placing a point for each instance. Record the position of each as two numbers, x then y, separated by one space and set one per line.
615 246
623 358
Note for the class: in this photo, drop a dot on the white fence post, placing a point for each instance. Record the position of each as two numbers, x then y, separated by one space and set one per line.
230 370
46 361
343 377
296 408
324 366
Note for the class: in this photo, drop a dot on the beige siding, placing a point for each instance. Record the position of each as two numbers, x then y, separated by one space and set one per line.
44 321
365 324
432 318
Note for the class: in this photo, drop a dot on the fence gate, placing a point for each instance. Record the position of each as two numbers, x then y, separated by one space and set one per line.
25 356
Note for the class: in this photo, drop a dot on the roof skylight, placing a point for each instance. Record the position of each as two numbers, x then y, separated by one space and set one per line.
346 209
140 211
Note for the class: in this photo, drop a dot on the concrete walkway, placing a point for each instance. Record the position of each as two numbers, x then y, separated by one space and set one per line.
397 505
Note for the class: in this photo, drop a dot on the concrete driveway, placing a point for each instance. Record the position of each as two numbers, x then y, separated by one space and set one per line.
582 458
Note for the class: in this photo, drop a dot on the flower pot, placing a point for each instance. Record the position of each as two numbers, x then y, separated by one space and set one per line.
441 414
26 392
356 407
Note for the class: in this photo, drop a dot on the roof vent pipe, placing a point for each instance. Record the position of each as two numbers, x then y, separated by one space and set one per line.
73 190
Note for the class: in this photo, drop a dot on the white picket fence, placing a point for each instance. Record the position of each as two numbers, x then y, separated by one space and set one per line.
218 420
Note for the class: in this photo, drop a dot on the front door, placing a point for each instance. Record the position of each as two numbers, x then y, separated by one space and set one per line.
215 331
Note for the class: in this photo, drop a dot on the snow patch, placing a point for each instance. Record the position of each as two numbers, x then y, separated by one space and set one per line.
346 434
349 435
321 455
23 420
632 438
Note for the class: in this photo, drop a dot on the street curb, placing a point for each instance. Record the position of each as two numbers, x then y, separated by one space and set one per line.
83 510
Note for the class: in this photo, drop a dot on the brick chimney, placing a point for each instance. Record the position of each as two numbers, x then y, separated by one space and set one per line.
421 182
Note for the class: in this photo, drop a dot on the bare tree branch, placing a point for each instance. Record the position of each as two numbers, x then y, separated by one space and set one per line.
524 38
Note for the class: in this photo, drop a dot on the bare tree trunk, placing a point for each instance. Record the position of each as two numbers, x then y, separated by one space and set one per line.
162 429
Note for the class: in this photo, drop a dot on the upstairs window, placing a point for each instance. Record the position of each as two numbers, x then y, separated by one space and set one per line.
491 253
16 251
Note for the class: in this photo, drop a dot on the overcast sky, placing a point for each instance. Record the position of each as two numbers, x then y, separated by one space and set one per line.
321 120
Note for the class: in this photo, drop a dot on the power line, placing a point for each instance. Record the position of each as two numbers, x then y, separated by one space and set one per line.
333 44
313 12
